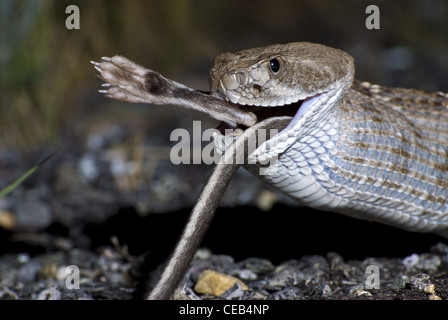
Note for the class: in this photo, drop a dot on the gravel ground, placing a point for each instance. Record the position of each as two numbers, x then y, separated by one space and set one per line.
110 274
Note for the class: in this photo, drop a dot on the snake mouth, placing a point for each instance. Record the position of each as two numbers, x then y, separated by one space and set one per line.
300 113
297 117
263 113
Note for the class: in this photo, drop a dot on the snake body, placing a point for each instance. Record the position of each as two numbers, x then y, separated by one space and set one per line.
363 150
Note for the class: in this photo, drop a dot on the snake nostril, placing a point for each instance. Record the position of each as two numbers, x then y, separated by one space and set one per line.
257 88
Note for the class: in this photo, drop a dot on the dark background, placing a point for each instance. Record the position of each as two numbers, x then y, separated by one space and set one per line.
49 101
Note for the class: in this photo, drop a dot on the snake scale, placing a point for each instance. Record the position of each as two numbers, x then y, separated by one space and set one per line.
363 150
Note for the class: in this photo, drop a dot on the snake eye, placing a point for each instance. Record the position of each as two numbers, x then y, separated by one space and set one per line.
275 65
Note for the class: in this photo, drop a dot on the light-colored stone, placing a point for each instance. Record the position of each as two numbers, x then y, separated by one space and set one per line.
7 220
216 283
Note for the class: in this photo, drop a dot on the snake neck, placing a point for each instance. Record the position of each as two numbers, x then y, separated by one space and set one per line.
367 160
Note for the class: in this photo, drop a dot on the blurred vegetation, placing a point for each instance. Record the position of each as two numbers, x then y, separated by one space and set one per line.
45 66
23 177
44 69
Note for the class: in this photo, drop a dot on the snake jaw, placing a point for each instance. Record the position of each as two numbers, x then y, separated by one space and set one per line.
248 95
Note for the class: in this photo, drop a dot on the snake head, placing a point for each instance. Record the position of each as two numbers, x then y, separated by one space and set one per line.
301 80
278 75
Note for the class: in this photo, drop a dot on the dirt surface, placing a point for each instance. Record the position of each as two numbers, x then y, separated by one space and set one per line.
110 274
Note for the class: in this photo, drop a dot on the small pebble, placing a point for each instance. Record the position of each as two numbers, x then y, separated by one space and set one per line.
28 272
286 275
7 220
203 253
401 282
186 293
434 297
429 289
429 263
363 293
266 200
257 265
326 292
245 274
50 294
289 293
411 261
61 273
334 260
88 167
216 283
235 292
8 294
440 248
23 257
